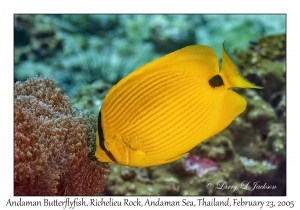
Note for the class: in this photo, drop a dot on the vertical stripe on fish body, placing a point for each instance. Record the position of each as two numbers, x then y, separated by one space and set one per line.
162 110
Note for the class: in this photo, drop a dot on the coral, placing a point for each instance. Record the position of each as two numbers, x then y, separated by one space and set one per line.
43 42
95 64
87 23
166 32
53 143
236 30
142 181
168 36
30 69
201 166
255 167
264 64
90 97
275 140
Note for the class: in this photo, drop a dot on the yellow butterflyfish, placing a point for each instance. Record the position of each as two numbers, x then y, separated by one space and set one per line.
162 110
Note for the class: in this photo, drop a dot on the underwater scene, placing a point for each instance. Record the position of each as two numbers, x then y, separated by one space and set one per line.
132 104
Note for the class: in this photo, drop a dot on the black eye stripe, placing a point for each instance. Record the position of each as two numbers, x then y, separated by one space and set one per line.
100 133
101 139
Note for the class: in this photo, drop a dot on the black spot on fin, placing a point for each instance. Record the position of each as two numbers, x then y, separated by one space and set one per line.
216 81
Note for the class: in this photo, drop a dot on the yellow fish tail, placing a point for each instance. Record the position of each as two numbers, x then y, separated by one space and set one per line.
231 75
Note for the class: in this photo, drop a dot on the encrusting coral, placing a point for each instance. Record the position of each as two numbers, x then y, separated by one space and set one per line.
53 143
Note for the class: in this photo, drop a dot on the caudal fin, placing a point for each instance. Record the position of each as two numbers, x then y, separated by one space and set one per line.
231 75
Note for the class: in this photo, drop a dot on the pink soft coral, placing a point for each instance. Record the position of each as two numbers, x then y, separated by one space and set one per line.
201 166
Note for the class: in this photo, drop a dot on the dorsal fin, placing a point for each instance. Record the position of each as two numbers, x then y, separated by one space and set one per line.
231 75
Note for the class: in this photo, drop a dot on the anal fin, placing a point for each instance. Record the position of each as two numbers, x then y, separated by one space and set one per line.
176 157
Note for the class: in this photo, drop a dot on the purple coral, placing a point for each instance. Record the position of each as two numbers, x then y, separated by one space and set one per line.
53 143
201 166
